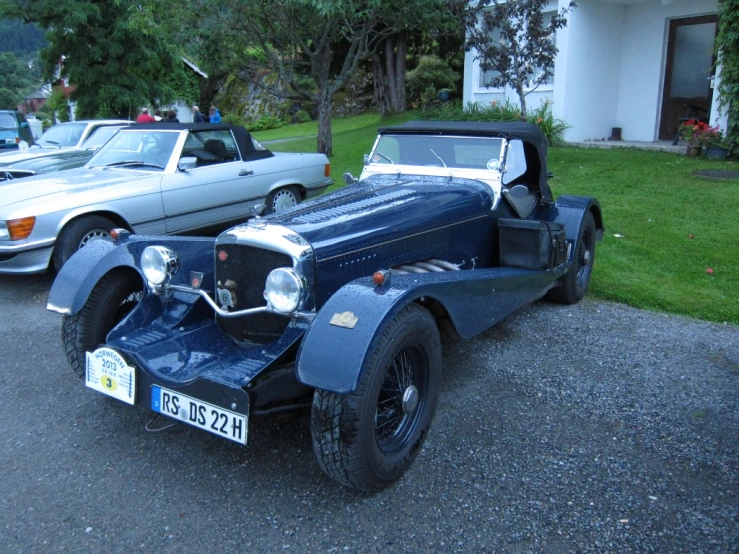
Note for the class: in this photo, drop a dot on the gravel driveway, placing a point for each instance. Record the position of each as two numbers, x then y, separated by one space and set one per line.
593 428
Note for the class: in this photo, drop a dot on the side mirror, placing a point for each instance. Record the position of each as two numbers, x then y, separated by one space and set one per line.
188 162
366 159
24 125
349 178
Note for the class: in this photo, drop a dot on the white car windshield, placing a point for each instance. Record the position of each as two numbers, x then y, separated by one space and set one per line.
63 135
100 136
132 149
438 151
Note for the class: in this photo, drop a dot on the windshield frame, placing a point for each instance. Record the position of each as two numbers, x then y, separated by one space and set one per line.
100 161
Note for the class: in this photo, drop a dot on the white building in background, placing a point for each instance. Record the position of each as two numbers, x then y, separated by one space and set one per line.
635 64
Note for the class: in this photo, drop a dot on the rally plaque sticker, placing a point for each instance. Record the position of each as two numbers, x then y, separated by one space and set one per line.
107 372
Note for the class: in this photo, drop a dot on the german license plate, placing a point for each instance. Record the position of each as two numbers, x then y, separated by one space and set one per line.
106 371
224 423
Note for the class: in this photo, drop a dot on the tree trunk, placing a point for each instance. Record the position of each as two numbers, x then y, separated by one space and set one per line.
522 98
398 95
389 80
324 124
379 84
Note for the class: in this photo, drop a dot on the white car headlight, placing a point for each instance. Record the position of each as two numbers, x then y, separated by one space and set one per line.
4 233
159 263
284 289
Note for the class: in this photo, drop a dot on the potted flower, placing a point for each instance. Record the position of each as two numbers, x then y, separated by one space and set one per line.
444 94
696 133
715 143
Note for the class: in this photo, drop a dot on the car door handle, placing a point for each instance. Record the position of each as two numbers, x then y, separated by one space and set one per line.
245 172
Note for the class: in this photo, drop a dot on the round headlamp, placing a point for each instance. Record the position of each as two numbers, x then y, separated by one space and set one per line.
159 263
284 289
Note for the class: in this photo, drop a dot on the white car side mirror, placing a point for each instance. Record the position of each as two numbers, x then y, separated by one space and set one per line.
188 162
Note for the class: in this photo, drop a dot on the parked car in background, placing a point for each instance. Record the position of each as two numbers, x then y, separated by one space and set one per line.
73 134
158 178
336 305
36 161
15 132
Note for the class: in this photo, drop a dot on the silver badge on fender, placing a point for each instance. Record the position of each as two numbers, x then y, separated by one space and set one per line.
344 319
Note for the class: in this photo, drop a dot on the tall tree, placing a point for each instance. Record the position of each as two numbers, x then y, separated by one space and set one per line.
16 80
116 67
523 52
401 21
295 40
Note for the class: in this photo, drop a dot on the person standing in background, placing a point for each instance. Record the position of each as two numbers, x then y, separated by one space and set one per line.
215 115
144 117
197 117
172 117
158 115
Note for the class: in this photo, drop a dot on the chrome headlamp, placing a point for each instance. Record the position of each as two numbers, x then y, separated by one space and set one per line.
284 290
159 263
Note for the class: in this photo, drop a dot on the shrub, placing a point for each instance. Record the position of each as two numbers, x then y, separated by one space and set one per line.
301 116
431 72
234 119
265 122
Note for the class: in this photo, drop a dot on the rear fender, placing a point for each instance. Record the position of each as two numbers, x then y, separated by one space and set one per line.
86 267
332 355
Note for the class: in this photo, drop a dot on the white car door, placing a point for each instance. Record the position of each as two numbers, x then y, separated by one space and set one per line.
221 188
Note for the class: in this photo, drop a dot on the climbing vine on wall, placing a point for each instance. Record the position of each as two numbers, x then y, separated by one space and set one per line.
727 44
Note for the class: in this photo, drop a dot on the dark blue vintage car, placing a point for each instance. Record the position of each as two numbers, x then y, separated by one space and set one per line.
335 305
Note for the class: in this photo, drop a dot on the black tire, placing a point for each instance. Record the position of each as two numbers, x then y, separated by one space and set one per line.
78 233
575 282
368 438
112 299
282 199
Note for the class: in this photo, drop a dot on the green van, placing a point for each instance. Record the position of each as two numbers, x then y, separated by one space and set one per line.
15 132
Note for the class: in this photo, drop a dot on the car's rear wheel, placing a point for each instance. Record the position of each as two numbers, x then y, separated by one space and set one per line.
282 199
77 234
112 299
575 282
368 438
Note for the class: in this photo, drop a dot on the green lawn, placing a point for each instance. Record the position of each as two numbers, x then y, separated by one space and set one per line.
651 198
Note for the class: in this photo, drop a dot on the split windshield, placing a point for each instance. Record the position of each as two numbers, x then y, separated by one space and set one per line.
439 151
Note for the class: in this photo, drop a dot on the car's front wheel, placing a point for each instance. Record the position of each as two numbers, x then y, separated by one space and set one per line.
574 284
112 299
368 438
77 234
282 199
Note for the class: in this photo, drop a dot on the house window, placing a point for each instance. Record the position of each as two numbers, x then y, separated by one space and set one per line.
486 77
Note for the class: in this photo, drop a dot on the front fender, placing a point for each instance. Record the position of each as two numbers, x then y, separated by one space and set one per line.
570 211
87 266
331 357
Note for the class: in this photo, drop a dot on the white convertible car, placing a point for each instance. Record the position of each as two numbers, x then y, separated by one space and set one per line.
154 178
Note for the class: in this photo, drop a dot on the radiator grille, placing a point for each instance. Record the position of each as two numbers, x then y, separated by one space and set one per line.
244 272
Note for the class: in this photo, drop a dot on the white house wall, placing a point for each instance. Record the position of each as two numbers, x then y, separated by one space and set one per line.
643 58
587 73
610 68
474 93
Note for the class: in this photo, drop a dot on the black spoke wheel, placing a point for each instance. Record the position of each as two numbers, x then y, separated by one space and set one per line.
574 284
111 300
367 439
400 402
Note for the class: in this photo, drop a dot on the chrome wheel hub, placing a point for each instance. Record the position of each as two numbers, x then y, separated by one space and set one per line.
410 400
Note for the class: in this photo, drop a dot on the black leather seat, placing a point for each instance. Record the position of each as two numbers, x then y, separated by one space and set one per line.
217 148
